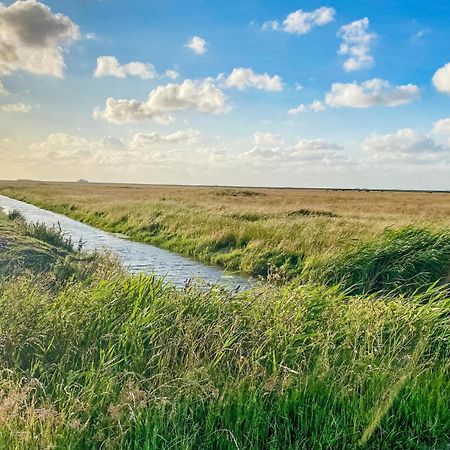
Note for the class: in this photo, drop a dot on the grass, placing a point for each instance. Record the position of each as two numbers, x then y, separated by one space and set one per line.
349 349
113 361
367 241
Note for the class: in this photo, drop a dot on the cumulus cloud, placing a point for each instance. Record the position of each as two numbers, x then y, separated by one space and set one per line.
15 108
242 78
298 109
110 66
302 22
203 96
148 140
442 126
370 93
31 37
356 44
315 106
197 45
307 152
441 79
405 145
266 139
172 74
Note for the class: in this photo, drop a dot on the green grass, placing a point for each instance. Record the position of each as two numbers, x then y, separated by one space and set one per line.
273 234
98 359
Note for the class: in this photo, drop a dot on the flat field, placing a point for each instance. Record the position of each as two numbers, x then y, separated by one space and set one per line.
364 240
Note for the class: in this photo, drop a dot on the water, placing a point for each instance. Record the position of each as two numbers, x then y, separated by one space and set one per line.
134 256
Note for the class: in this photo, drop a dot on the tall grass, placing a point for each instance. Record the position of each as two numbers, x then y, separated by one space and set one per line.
405 260
93 358
133 363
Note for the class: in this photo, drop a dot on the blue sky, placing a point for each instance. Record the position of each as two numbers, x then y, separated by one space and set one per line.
373 114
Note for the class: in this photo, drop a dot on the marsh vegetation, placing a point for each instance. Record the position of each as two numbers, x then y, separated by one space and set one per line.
346 346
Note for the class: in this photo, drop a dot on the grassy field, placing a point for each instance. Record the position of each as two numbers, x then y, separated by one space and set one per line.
93 358
366 241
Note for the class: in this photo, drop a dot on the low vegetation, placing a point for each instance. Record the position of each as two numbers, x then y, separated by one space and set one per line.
94 358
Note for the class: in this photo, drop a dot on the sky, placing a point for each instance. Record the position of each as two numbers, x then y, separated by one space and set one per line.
257 93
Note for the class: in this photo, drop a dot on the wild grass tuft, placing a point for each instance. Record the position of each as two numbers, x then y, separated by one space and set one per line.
51 235
15 215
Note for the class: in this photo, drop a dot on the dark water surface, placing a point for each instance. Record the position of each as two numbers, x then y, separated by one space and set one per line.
135 257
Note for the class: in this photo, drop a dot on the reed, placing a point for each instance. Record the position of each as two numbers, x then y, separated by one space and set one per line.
99 359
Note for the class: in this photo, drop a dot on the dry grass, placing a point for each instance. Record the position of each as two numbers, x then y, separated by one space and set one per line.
383 208
258 231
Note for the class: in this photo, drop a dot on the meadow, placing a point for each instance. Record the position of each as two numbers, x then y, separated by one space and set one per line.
366 241
347 345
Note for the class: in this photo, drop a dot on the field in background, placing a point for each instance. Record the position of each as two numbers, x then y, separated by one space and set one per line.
367 241
93 358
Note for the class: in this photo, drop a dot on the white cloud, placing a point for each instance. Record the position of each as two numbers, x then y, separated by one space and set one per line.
298 109
197 45
203 96
305 152
147 140
315 106
442 126
314 149
270 25
370 93
441 79
356 43
172 74
302 22
266 139
31 37
64 143
15 108
109 66
65 151
243 78
405 145
143 155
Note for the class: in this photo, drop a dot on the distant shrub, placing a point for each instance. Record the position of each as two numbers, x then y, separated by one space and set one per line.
312 213
237 193
248 217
